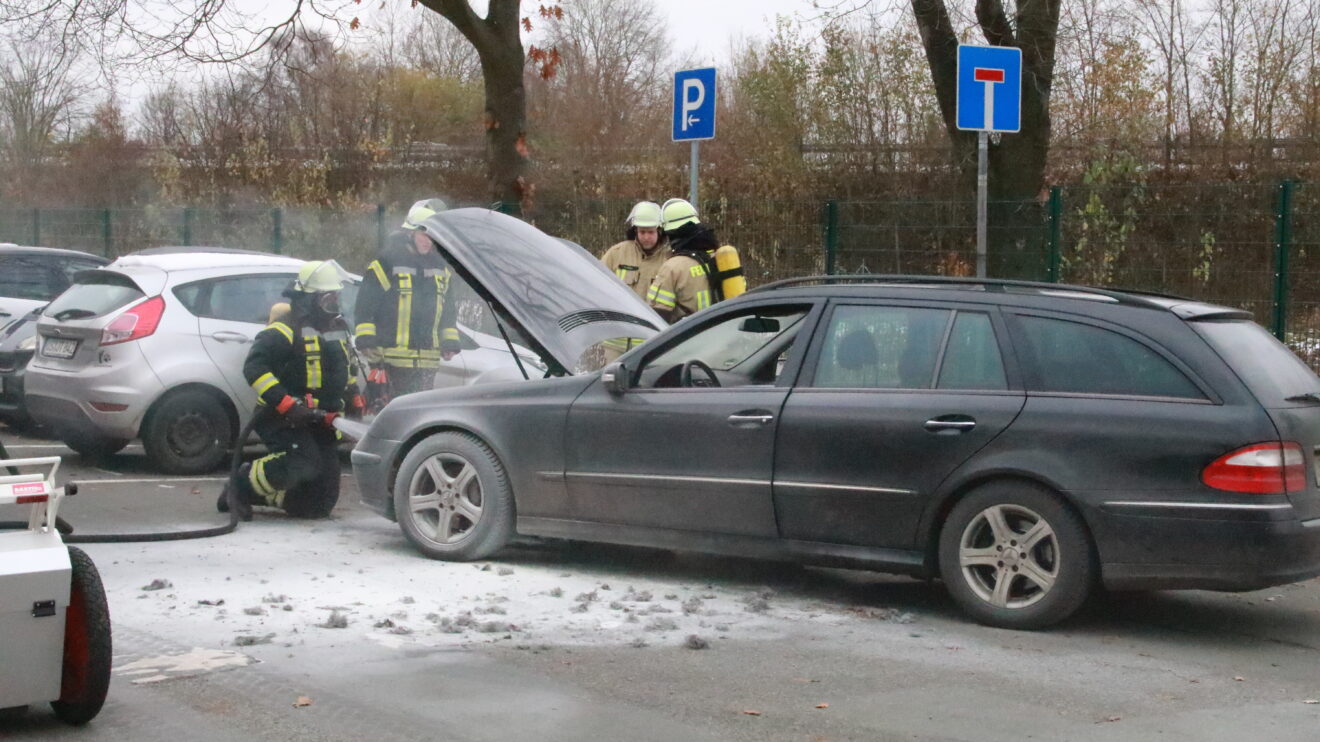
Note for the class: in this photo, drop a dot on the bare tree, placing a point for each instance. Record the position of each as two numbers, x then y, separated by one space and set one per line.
1169 28
39 95
614 54
435 45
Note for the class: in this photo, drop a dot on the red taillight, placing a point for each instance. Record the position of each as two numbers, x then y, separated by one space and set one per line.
139 321
1262 469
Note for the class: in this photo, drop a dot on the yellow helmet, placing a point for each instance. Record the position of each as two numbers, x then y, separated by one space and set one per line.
317 276
644 214
423 210
676 212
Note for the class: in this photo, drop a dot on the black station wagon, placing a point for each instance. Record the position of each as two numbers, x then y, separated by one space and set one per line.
1025 442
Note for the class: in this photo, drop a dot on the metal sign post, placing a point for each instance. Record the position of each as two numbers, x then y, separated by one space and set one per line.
982 187
692 172
989 100
694 115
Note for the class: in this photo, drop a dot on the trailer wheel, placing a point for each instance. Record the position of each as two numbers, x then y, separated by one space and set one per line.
87 650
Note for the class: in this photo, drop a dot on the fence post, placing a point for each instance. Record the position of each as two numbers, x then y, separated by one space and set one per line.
36 227
187 226
277 231
380 228
1282 246
1056 233
107 238
831 235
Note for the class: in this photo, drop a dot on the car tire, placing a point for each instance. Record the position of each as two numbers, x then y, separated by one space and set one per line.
87 645
187 432
91 446
452 498
1014 555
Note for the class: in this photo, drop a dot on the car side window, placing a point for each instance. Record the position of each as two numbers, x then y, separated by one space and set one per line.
27 278
971 358
245 299
748 348
1065 356
880 347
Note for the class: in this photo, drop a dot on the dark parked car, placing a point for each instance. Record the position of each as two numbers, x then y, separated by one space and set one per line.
1024 442
29 278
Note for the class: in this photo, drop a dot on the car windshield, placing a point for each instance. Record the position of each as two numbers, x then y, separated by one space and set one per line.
94 294
1271 371
733 341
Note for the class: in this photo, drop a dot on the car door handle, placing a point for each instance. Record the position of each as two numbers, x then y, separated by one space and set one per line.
937 425
748 419
230 337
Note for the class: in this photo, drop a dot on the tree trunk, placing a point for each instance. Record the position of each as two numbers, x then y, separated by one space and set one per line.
499 47
506 127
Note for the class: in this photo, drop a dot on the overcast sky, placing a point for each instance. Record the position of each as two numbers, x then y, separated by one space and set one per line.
708 25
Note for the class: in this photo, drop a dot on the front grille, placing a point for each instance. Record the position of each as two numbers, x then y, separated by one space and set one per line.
8 362
575 320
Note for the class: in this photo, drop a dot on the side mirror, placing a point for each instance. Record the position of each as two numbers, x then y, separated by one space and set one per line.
616 377
759 325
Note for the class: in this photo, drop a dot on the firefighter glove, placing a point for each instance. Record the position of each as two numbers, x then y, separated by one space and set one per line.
294 412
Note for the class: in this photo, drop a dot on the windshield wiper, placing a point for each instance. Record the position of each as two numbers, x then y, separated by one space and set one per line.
73 314
1307 397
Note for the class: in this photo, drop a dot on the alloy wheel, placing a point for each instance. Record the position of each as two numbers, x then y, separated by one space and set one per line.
1009 556
444 498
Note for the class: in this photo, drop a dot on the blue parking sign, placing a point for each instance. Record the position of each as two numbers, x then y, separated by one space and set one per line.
694 104
989 88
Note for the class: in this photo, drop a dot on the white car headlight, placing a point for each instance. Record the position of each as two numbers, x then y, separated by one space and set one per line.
28 343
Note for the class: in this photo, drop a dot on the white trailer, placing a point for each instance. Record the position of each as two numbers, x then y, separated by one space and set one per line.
55 641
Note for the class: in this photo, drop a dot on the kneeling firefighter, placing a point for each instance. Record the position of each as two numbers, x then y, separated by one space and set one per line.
299 366
701 272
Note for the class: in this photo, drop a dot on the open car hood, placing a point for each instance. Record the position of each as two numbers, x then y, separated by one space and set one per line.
563 298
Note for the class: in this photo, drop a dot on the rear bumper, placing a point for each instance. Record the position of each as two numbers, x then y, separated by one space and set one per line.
372 464
62 400
1231 551
13 405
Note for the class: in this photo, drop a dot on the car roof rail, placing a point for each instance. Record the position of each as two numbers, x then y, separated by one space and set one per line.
1133 298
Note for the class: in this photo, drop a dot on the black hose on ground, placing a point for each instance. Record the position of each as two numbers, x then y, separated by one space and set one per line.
67 531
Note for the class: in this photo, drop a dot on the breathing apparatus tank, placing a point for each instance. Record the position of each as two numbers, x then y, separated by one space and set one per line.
729 272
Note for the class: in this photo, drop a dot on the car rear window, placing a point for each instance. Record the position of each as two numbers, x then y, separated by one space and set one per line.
93 294
1271 371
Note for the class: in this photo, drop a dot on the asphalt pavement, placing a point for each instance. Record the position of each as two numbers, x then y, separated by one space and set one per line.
555 641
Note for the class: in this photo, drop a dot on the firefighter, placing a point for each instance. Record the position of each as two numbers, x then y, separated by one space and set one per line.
299 367
407 321
701 271
636 261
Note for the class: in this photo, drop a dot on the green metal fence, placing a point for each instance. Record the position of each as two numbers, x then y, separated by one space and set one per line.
1255 246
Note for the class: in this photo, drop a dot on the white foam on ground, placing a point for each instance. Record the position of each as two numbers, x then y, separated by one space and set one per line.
361 568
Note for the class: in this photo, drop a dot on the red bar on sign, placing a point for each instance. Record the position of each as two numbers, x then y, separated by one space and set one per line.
30 499
986 74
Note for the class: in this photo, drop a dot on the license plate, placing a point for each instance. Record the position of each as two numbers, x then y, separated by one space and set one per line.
59 348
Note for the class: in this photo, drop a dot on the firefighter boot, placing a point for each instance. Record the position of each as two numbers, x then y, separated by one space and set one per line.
238 494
